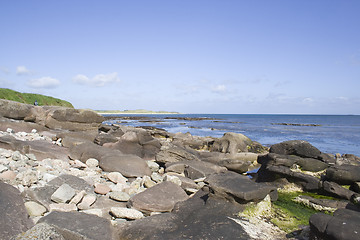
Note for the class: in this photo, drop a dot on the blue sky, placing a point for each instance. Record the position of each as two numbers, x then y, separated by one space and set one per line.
191 56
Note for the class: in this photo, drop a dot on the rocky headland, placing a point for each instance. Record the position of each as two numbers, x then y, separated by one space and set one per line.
66 175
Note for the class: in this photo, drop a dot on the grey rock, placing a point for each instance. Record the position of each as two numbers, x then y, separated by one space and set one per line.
15 218
128 213
75 225
231 143
296 147
63 194
160 198
238 188
35 209
344 174
41 231
337 190
119 196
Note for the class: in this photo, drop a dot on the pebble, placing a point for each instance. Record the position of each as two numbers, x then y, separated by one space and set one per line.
78 197
174 179
96 211
35 209
8 175
156 177
92 163
62 207
28 177
128 213
119 196
102 188
87 201
3 168
154 167
116 177
63 194
148 182
16 156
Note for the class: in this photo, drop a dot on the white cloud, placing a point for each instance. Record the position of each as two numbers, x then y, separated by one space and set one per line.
219 88
4 70
44 82
22 70
99 80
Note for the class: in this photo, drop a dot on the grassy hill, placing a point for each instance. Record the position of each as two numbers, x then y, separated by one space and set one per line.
31 97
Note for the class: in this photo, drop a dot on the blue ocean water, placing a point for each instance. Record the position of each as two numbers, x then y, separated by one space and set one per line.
332 133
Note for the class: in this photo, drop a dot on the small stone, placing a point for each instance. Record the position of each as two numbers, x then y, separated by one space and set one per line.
190 190
174 179
79 164
116 177
9 130
102 189
128 213
35 209
98 212
47 177
31 156
34 131
28 177
156 177
87 201
16 156
148 182
154 167
62 207
63 194
161 170
3 168
8 175
199 179
92 163
119 196
78 197
201 184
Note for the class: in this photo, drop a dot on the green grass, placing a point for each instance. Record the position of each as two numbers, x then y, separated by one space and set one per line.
289 214
30 98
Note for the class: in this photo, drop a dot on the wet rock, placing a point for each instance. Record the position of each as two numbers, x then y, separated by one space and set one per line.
343 174
296 147
337 190
160 198
344 224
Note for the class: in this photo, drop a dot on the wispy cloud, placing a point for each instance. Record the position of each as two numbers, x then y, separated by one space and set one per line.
98 80
44 82
221 88
22 70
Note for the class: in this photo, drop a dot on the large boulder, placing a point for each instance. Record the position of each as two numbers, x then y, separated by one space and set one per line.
343 225
337 190
238 188
40 148
41 231
306 164
78 226
159 198
111 160
14 110
199 217
232 143
173 153
296 147
14 218
194 169
270 173
343 174
73 119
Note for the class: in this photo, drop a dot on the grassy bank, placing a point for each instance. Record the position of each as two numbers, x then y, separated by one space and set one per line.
30 98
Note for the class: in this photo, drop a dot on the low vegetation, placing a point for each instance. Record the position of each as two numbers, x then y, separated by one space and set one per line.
30 98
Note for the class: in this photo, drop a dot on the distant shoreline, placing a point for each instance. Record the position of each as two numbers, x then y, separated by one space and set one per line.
131 112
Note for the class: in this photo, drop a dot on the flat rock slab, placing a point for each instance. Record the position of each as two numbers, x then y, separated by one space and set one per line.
238 188
78 226
14 218
198 217
159 198
343 174
194 169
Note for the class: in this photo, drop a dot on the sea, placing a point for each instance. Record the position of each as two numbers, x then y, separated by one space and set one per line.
329 133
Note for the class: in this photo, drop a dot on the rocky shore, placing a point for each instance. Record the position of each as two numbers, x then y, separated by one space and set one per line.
65 175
